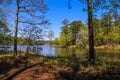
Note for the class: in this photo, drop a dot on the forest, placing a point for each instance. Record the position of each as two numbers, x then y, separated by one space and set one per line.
106 32
30 49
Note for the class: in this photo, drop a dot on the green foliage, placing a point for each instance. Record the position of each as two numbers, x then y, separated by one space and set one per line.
69 33
106 30
99 36
65 36
74 29
64 40
56 41
82 38
3 28
5 37
62 61
106 23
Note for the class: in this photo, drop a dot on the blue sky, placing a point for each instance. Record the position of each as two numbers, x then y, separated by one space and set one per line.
58 11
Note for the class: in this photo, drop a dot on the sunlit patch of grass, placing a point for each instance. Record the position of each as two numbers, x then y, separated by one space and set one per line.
36 58
6 54
11 53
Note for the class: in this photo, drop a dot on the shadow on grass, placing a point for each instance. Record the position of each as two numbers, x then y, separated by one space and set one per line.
6 63
5 67
74 65
110 72
104 75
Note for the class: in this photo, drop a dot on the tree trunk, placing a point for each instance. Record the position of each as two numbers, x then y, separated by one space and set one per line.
16 28
90 33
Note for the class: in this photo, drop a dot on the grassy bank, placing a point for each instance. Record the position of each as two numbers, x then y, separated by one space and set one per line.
114 46
110 46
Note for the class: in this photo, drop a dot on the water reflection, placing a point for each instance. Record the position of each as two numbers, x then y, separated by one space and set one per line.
47 50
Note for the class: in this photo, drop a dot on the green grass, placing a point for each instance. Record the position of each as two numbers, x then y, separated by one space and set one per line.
102 62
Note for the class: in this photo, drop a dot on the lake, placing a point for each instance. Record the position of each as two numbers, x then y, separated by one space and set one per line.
47 50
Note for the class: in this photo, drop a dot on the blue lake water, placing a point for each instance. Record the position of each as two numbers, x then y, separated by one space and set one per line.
44 50
47 50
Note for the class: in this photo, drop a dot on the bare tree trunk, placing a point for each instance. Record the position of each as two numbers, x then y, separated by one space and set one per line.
90 33
16 28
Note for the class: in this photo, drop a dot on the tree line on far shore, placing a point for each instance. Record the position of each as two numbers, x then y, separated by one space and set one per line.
106 31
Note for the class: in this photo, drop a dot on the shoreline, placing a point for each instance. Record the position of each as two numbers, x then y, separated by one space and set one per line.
110 46
116 46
